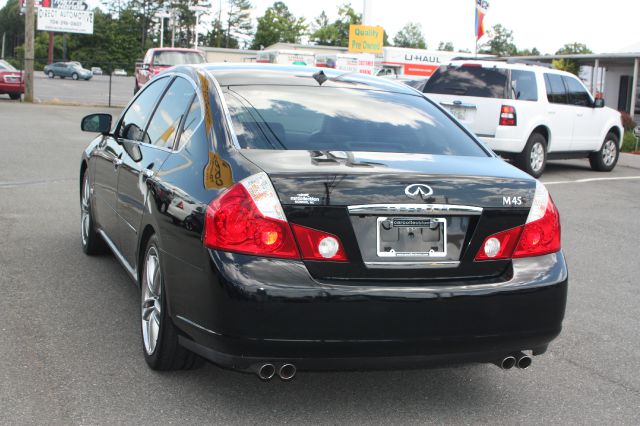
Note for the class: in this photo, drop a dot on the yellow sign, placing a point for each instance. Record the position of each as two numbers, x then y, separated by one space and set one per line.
217 174
365 39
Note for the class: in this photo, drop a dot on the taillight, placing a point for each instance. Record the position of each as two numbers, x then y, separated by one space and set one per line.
318 245
248 218
539 235
508 116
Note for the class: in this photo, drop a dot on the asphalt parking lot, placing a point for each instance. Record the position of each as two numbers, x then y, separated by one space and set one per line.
70 350
91 92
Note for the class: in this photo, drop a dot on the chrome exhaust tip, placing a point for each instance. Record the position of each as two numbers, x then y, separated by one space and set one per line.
266 371
524 361
287 372
508 362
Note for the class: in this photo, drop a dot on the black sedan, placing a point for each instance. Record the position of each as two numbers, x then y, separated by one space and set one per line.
283 218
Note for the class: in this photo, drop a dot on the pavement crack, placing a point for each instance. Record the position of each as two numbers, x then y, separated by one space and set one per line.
33 182
602 376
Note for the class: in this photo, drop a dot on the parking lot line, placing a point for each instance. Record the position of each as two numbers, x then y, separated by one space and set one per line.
559 182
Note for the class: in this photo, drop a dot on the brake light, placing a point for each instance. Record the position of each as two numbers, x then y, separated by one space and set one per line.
248 218
470 65
318 245
538 236
508 116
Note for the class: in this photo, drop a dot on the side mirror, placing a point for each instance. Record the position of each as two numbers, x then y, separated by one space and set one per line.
97 123
636 131
598 103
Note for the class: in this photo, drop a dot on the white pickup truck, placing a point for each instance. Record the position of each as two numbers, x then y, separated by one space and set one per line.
529 113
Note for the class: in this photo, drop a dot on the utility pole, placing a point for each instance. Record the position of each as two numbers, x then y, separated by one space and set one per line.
28 51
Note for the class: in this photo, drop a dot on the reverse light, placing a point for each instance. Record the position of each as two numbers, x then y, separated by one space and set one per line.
248 218
318 245
538 236
508 116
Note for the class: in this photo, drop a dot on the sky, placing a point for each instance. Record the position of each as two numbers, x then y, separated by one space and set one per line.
605 27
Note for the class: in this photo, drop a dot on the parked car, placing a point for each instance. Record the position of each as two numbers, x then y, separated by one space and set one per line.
67 69
529 113
336 221
11 80
158 59
96 70
119 72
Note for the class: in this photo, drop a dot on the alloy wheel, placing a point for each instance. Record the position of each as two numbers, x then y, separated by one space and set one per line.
609 151
85 209
537 156
151 302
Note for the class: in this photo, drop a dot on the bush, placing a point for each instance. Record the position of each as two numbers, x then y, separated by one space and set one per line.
629 142
627 121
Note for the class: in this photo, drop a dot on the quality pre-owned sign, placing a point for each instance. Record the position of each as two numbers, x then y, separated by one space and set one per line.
63 20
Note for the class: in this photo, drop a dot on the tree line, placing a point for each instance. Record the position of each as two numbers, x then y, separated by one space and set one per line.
125 29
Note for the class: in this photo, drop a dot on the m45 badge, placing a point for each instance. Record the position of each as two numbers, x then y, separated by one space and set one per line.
511 201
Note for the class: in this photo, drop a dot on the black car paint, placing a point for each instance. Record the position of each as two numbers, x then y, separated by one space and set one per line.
239 310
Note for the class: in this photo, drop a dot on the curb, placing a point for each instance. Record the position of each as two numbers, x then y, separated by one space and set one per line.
629 160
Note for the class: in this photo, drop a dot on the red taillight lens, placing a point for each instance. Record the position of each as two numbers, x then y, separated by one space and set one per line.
508 116
540 235
499 246
318 245
234 223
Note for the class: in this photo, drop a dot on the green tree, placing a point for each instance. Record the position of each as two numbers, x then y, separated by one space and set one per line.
500 42
12 25
337 32
278 25
567 64
410 36
529 52
238 20
446 46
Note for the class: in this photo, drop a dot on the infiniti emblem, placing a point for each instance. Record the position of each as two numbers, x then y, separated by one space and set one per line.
418 190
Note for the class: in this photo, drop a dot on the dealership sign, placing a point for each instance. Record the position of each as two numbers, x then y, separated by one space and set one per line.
65 20
365 39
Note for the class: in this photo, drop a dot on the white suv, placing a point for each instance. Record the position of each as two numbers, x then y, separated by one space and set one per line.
529 113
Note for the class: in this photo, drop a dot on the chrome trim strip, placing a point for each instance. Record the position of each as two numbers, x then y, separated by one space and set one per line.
386 209
225 110
131 271
191 323
414 265
460 105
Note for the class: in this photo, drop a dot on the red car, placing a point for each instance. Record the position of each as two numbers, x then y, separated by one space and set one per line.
11 80
158 59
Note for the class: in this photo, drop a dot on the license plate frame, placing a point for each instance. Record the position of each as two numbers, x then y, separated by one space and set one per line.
412 224
459 112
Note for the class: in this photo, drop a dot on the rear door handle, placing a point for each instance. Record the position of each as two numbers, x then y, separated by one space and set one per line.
117 162
580 114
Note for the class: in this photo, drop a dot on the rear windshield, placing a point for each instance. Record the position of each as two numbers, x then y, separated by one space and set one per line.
343 119
468 81
171 58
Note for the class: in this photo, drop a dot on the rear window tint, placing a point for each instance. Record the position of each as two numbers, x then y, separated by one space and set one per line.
556 90
468 81
343 119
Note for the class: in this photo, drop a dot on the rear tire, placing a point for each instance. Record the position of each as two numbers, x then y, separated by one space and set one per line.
14 96
606 158
533 158
50 74
159 335
92 242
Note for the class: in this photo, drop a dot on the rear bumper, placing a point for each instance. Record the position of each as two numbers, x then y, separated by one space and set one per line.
261 310
504 144
9 88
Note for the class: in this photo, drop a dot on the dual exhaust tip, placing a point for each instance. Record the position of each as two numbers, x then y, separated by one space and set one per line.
518 359
267 371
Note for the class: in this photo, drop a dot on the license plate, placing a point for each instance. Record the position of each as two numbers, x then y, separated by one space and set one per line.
458 112
411 237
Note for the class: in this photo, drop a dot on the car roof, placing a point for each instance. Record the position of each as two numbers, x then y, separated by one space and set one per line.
174 49
296 75
509 66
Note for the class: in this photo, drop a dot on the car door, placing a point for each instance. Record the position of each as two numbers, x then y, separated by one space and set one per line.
130 131
560 115
155 146
106 159
587 127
